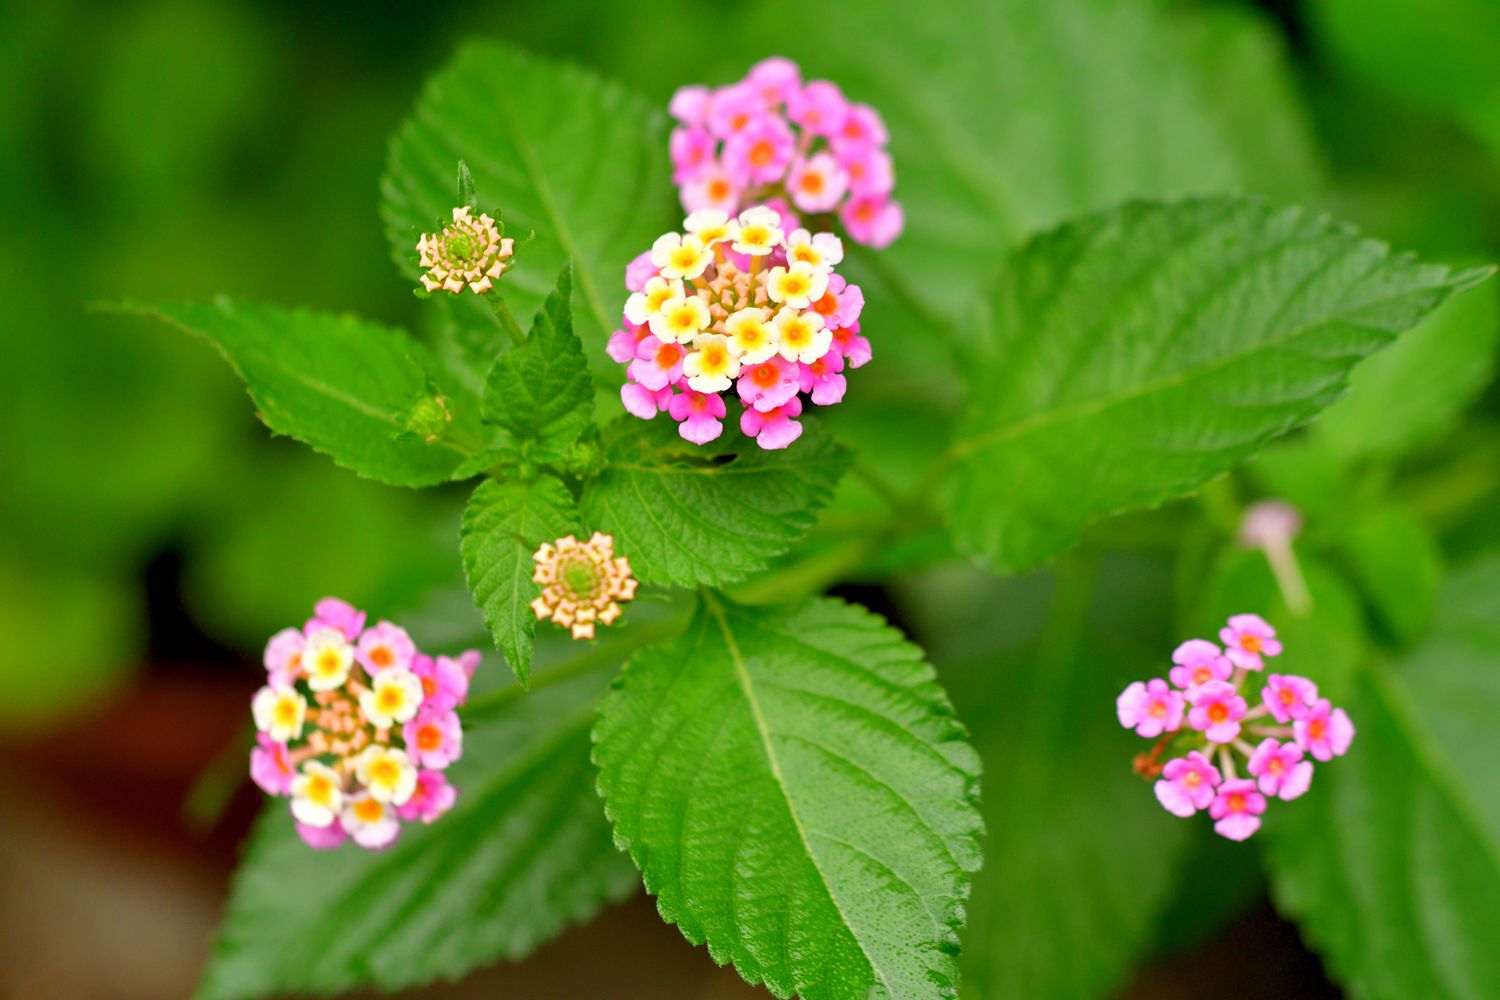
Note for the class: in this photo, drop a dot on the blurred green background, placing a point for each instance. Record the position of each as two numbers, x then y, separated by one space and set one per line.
173 149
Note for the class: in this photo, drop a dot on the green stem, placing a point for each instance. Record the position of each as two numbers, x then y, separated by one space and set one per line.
507 319
881 486
596 657
1220 505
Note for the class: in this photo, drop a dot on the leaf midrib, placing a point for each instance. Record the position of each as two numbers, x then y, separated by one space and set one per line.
544 193
271 361
742 677
1430 756
964 447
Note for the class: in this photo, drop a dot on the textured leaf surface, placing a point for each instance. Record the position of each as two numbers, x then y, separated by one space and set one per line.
1079 857
796 790
541 390
503 525
525 852
687 515
1051 108
579 160
1391 862
1136 353
337 383
1415 389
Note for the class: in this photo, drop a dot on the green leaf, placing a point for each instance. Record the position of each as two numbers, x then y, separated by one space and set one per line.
503 525
1414 390
578 159
467 196
340 384
524 853
798 794
1079 858
1050 109
1395 560
1439 54
1391 863
1132 355
541 390
686 514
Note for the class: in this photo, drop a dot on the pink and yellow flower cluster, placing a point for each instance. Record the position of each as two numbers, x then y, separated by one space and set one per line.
356 727
1214 709
773 139
738 303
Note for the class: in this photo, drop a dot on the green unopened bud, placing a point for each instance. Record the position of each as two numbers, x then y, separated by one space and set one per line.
428 418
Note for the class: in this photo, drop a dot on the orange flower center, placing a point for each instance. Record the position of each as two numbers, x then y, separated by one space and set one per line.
668 355
762 153
1250 643
718 189
812 182
1192 779
1218 712
1157 710
1236 802
827 305
1316 728
368 810
382 656
429 737
764 375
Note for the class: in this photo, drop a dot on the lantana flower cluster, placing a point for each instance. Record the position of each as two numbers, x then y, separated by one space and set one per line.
1236 736
744 304
356 727
470 252
583 583
773 139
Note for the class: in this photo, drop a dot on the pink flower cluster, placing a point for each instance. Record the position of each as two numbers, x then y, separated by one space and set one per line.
356 726
771 139
738 304
1212 692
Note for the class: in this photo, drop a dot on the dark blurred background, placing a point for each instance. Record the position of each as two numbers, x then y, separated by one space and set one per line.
152 534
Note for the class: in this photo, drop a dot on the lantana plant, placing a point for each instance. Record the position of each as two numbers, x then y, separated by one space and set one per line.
783 769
